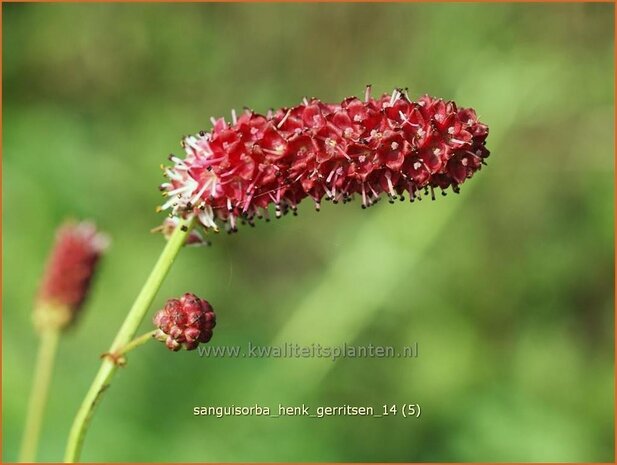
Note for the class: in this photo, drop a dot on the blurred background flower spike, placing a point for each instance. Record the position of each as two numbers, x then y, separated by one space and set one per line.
64 288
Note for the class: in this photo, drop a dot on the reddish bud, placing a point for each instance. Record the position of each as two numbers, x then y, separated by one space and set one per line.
68 274
185 322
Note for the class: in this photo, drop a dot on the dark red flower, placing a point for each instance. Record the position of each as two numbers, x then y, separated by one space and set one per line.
68 274
366 147
185 322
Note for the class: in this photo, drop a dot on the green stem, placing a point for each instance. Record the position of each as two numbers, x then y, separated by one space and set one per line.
127 331
38 396
138 341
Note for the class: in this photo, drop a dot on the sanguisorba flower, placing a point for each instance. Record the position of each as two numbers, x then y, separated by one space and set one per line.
359 147
68 274
185 322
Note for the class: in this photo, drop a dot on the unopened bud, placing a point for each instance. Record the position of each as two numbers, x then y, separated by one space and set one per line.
185 322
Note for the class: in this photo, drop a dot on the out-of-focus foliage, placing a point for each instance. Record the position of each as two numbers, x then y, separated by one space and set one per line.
507 288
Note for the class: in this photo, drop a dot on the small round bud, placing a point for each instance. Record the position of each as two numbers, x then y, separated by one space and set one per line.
185 322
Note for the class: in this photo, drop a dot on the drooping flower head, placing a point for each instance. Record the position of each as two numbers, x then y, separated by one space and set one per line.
185 322
366 147
68 274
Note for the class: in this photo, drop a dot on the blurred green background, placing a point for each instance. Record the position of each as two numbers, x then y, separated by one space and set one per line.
507 288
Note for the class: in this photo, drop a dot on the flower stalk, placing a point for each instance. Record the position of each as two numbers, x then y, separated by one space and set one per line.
38 397
124 336
138 341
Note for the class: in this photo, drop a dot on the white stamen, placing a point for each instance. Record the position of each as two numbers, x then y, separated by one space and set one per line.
247 202
373 191
363 195
395 96
390 186
177 161
367 93
169 203
278 126
181 190
206 217
200 193
192 141
342 152
171 174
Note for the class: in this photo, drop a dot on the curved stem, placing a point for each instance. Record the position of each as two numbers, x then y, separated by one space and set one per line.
127 331
38 395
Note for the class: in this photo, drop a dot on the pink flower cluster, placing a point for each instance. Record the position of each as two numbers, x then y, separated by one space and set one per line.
359 147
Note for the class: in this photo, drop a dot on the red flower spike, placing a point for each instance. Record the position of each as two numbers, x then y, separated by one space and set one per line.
358 147
185 322
68 274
